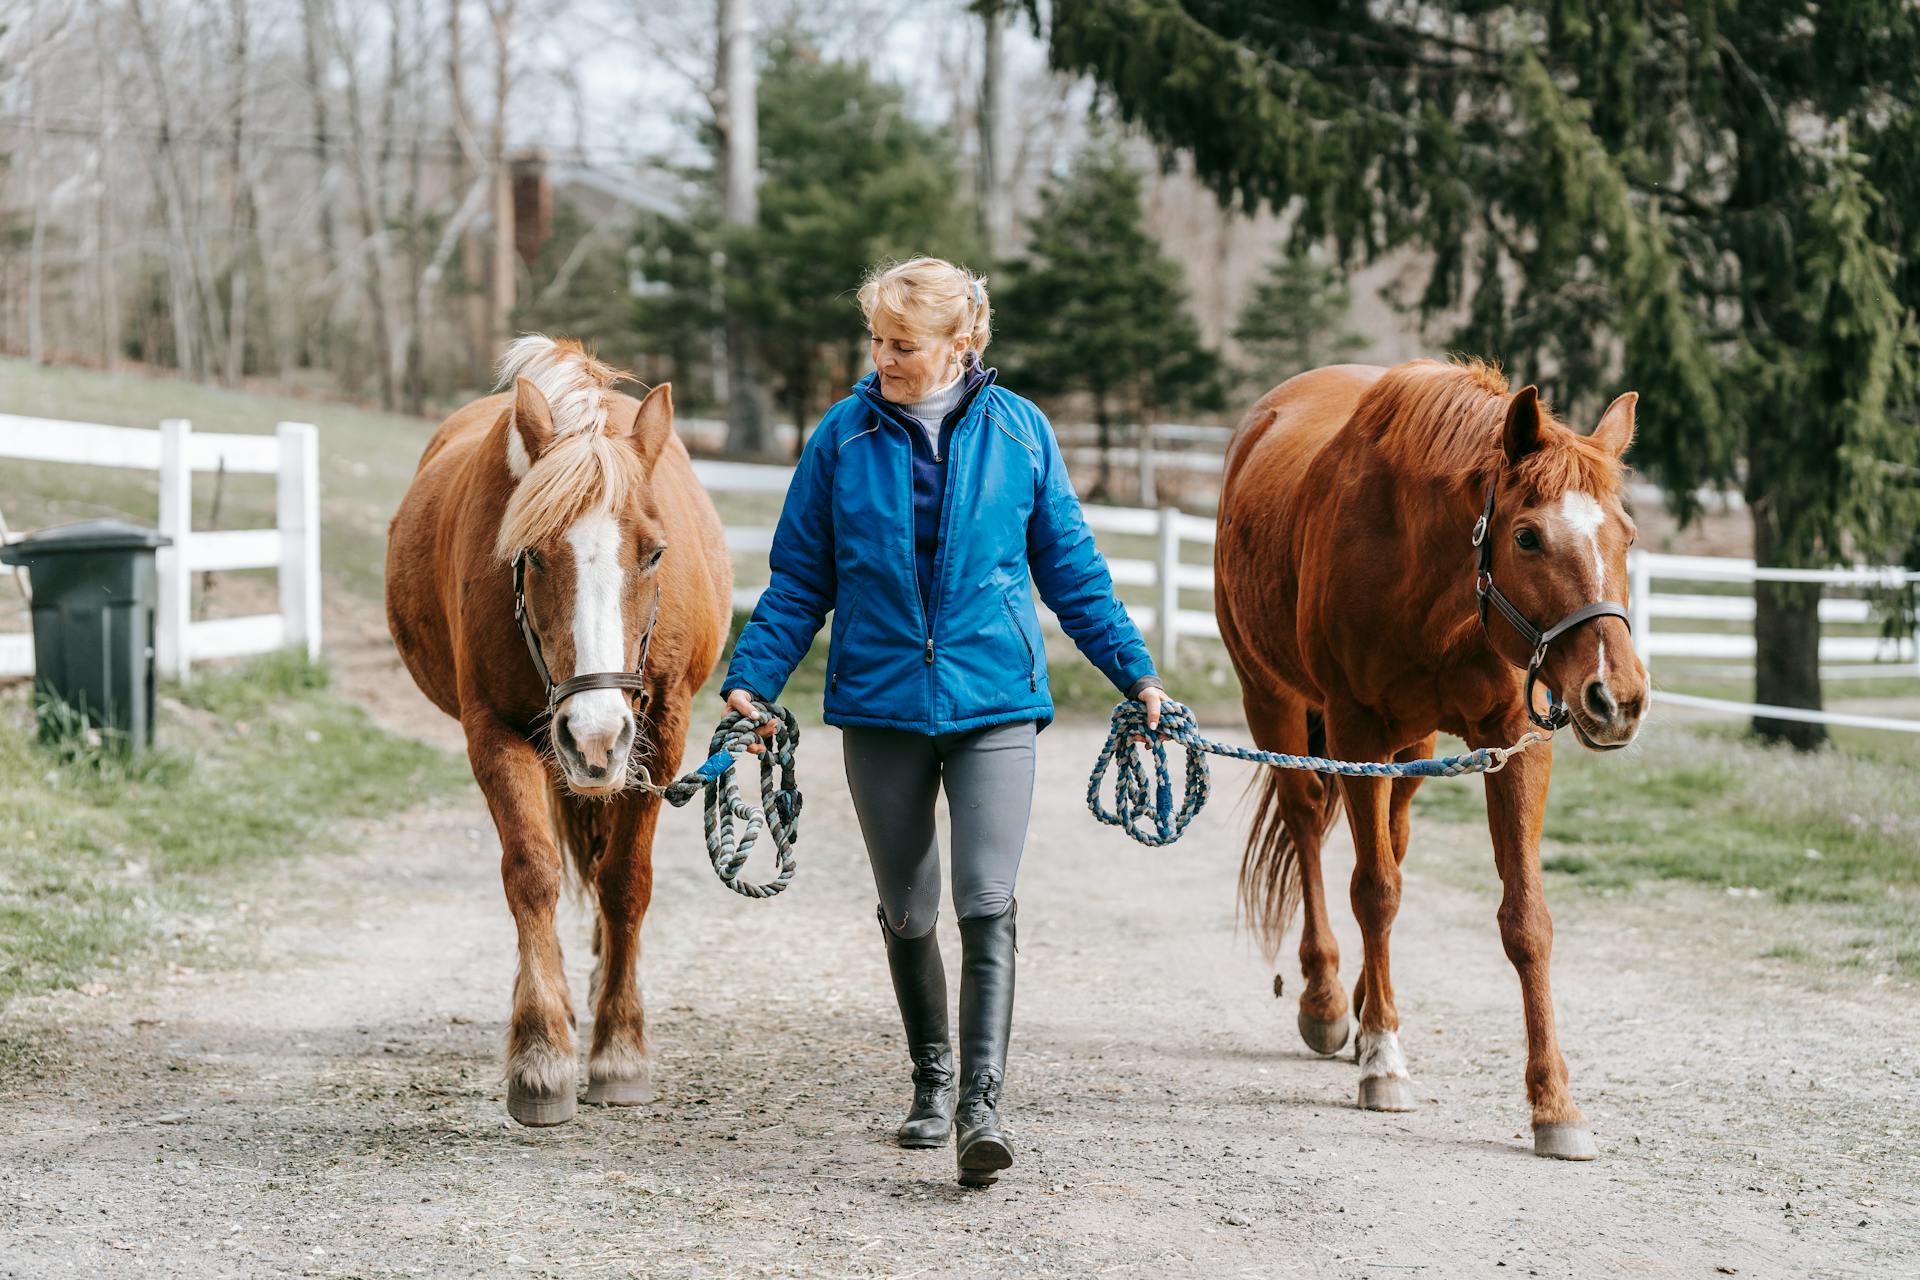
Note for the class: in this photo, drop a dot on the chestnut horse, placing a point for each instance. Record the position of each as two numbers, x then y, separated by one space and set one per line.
1350 520
577 507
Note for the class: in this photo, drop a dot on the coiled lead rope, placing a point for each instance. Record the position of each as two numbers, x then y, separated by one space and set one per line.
1134 797
779 808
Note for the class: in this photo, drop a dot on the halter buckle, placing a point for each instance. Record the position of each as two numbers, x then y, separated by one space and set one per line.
1479 531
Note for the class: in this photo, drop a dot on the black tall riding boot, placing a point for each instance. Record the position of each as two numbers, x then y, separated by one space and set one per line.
920 985
986 1021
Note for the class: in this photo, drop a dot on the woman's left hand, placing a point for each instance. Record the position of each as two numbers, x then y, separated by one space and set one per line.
1151 699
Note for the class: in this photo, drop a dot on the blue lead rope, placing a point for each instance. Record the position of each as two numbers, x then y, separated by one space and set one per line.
717 779
1134 796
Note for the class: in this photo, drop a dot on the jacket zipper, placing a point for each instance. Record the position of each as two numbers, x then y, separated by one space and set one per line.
1033 681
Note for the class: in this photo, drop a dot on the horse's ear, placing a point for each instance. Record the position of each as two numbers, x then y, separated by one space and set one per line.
1522 433
1615 431
653 423
529 430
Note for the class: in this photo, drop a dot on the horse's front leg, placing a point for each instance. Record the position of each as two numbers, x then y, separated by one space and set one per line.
618 1071
1516 810
540 1060
1375 892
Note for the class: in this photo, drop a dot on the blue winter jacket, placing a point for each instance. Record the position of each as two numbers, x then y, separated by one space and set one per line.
845 543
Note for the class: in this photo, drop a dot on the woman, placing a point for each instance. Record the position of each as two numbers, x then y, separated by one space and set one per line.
921 505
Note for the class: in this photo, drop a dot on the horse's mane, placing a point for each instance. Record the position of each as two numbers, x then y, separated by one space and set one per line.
1441 421
583 471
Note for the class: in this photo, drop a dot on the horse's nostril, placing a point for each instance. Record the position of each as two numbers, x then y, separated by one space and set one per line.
1600 701
564 736
625 739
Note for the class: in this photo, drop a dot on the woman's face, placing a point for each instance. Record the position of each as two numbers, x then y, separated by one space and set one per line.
912 366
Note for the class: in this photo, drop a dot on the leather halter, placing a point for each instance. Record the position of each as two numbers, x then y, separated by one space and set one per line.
1557 716
635 680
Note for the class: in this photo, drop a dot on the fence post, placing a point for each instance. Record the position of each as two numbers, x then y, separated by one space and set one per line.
174 608
1149 491
297 515
1640 605
1167 614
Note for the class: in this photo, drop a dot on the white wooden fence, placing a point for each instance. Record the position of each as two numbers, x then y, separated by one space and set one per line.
1166 621
292 546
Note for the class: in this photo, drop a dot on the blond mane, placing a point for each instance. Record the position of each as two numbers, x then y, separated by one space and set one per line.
584 471
1442 421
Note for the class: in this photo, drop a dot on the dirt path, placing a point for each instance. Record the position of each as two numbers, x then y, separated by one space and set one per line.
335 1108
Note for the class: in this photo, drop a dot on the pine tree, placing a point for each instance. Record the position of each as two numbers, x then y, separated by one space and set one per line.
1716 205
1096 307
1297 319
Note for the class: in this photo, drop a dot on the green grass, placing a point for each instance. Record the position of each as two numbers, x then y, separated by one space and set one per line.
1833 835
98 850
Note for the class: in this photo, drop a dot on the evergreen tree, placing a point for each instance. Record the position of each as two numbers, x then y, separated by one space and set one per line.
1716 205
1296 320
849 179
1095 306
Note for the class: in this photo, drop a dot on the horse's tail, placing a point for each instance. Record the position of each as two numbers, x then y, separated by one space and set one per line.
1270 868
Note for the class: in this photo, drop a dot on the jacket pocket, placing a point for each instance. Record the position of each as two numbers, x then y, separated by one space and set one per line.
837 658
1026 642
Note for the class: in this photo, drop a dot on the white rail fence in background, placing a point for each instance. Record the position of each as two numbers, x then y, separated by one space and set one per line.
1167 620
292 546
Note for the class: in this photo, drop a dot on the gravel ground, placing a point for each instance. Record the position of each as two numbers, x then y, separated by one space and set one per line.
333 1104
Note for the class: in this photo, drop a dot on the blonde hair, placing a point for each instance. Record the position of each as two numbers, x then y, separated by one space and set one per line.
584 470
931 298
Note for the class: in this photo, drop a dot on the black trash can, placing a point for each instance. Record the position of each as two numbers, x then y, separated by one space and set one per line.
94 591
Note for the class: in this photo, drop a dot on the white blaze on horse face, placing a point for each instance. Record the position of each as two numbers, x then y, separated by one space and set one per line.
1379 1054
596 716
1584 515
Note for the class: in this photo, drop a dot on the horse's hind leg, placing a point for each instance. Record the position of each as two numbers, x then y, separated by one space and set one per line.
618 1071
540 1060
1306 802
1516 808
1375 892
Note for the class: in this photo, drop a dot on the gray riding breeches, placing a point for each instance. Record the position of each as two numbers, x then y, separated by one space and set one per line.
894 776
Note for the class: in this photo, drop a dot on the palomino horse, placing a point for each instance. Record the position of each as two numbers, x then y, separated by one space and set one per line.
558 580
1355 505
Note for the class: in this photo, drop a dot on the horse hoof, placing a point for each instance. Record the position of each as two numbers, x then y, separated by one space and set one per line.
538 1110
1325 1036
620 1093
1386 1093
1564 1142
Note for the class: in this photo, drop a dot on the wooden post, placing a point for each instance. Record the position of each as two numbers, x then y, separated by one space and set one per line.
297 514
174 608
1149 493
1167 614
1640 605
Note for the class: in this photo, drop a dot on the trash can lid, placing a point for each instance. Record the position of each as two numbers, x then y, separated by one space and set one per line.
84 535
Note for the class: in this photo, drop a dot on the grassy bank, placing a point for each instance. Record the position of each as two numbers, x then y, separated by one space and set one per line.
1829 841
101 854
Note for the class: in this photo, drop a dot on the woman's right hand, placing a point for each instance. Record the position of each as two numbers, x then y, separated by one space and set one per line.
742 701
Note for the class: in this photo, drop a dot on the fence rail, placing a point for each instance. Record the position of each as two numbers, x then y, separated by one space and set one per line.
1167 620
291 547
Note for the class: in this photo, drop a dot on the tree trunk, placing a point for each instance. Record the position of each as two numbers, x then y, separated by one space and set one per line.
996 197
320 348
1786 636
241 195
104 276
467 162
501 279
749 424
37 241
